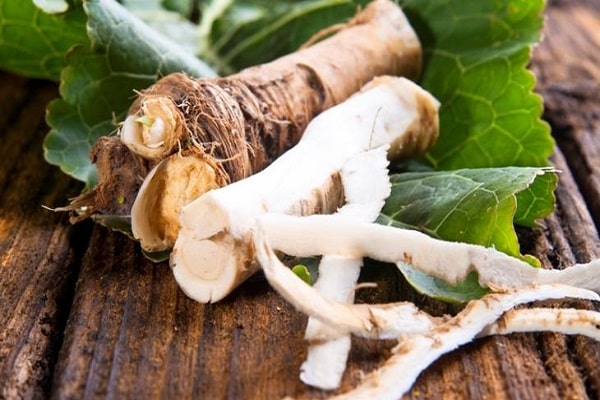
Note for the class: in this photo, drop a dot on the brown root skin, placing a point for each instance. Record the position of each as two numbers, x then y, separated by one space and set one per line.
248 119
120 175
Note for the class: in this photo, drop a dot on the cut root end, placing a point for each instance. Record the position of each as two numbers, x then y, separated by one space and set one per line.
154 132
173 183
207 270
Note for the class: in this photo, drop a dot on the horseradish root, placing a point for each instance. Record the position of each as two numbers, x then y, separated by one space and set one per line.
241 123
450 261
214 251
376 321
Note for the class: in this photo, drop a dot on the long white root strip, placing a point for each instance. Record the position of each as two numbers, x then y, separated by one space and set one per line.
417 352
451 261
568 321
372 321
326 359
337 281
325 363
216 227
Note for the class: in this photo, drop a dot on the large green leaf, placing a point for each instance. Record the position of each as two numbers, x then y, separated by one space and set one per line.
470 205
476 65
99 83
477 54
34 43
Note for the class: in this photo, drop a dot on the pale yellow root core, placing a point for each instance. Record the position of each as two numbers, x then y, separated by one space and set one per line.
174 182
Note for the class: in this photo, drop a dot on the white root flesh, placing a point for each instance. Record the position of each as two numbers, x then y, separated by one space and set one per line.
326 359
240 123
415 353
336 314
214 252
451 261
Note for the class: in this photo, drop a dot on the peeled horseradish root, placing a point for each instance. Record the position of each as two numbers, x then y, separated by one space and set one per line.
390 117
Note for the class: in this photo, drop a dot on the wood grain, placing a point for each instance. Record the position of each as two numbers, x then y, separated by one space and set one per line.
84 315
37 256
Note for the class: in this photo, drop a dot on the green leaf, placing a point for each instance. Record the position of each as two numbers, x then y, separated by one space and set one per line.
93 100
170 23
470 205
34 43
476 57
303 273
99 83
184 7
253 32
133 47
477 54
537 201
462 292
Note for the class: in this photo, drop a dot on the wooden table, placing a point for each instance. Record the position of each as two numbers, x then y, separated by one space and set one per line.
84 315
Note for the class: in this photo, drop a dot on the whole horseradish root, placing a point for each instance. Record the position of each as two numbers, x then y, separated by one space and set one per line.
197 135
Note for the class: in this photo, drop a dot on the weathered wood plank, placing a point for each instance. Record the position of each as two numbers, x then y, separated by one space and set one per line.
567 65
132 333
250 346
37 261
